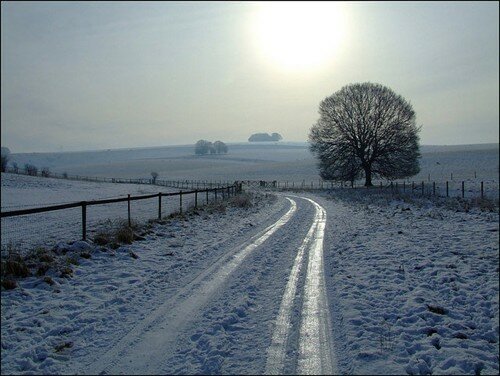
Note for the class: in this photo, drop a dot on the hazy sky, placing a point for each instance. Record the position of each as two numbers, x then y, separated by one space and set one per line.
79 76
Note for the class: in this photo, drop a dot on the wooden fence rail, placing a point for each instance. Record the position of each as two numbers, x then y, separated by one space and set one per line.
230 190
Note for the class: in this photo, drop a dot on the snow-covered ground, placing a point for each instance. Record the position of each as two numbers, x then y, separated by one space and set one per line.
409 287
259 161
23 192
392 266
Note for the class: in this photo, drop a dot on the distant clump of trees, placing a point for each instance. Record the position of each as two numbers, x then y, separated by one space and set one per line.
259 137
203 147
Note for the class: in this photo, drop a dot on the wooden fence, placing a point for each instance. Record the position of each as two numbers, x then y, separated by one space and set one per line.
200 197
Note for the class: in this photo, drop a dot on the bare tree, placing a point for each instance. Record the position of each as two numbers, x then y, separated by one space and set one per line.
365 129
154 176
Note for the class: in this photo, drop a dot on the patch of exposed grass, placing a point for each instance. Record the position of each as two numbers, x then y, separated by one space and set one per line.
242 200
102 238
66 272
14 265
124 235
64 345
437 309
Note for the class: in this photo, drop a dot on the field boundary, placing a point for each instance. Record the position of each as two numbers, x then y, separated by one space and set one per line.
217 193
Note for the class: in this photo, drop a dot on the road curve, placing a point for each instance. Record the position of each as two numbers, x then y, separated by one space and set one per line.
143 349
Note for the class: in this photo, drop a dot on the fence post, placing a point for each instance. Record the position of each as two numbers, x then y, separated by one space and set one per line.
404 186
128 205
196 199
451 176
84 220
215 194
422 188
159 205
447 190
463 189
429 177
482 190
475 175
180 201
207 194
433 188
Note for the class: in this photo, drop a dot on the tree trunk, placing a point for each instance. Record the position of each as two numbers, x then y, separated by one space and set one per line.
368 177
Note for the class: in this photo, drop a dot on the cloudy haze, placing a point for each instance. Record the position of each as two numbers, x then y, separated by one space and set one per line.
79 76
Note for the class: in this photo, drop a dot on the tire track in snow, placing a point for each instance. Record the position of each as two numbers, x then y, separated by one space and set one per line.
315 353
145 347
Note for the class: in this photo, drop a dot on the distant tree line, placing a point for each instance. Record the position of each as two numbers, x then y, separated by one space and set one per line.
203 147
259 137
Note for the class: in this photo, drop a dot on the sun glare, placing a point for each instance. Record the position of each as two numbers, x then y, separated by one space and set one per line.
298 35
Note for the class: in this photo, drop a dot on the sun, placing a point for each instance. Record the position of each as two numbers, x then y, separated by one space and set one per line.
298 35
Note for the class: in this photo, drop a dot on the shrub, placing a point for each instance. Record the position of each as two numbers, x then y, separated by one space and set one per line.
31 169
45 172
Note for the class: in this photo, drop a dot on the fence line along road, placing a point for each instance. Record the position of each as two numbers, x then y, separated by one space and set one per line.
190 198
440 189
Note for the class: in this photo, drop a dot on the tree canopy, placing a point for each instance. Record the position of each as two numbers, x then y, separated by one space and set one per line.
365 129
203 147
256 137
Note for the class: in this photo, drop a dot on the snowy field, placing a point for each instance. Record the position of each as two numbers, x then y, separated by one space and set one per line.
411 288
23 192
414 288
257 161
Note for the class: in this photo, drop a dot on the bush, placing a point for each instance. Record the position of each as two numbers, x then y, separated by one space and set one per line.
31 169
45 172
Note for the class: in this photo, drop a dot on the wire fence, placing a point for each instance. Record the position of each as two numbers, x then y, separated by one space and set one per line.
180 184
465 189
26 229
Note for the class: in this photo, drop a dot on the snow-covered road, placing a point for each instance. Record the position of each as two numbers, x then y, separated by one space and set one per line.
298 284
149 346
